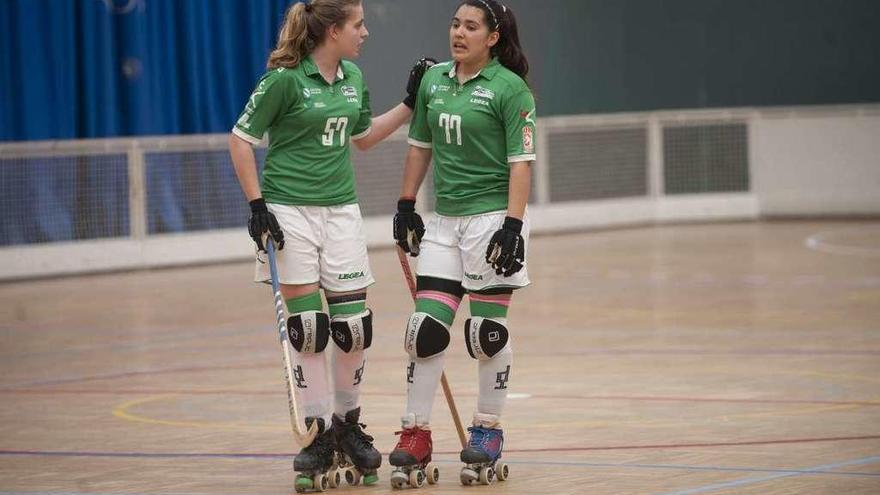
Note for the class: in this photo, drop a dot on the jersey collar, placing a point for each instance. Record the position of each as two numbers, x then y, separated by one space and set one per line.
311 69
488 71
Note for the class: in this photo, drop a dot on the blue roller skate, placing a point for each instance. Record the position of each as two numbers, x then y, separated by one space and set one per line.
481 457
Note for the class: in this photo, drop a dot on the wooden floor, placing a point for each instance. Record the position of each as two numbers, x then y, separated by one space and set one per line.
732 358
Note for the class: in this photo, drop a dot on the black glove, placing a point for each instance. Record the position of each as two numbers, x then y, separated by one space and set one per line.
507 251
415 79
262 221
408 227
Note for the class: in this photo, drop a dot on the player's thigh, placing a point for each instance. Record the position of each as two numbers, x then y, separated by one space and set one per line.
345 266
477 232
440 256
298 261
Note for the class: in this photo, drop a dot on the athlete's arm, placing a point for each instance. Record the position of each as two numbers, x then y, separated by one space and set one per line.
414 170
245 164
518 190
408 226
383 126
261 220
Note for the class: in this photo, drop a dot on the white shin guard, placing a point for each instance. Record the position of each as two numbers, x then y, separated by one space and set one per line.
348 371
422 378
494 375
310 382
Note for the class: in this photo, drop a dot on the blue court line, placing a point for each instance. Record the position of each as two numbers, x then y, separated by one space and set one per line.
530 462
749 481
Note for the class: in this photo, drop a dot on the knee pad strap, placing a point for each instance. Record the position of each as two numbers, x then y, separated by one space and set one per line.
352 333
308 331
425 336
485 337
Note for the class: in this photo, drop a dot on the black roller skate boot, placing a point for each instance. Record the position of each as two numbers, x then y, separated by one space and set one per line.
314 463
356 458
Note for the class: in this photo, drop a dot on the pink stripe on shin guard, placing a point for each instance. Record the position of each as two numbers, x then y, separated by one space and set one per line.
500 299
441 297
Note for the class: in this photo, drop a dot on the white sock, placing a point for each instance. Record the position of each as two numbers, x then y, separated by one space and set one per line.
348 370
422 377
494 375
310 382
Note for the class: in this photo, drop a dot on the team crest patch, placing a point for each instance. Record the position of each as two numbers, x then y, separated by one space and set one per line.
528 142
349 91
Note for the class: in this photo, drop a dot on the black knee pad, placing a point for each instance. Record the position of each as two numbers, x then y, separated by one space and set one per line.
352 333
308 331
425 336
484 337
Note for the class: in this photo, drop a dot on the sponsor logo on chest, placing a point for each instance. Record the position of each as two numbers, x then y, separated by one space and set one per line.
309 92
481 96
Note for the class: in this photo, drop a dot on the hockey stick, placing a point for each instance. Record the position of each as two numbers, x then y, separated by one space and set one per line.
303 439
410 282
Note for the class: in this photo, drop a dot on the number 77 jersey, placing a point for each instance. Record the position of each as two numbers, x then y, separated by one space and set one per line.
475 131
310 123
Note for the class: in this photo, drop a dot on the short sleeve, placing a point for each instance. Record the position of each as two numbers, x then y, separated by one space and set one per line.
518 112
365 119
265 104
419 132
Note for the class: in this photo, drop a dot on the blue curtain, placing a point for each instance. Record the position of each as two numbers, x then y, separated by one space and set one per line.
105 68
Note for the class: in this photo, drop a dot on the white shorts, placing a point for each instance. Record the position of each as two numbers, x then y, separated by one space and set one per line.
324 244
454 248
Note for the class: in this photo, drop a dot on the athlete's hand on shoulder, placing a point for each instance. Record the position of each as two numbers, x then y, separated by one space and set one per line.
507 252
263 221
408 226
415 79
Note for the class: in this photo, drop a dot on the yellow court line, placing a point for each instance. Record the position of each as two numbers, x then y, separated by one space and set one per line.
122 412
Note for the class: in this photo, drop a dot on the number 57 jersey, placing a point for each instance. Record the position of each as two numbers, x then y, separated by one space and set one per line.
310 123
475 131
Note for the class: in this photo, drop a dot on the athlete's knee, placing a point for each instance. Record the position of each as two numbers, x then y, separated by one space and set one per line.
308 331
425 336
486 337
352 333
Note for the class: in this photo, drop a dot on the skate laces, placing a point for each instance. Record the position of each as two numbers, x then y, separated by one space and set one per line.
479 436
407 438
357 430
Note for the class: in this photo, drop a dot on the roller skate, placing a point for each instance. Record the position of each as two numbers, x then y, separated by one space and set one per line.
314 464
356 458
482 455
411 457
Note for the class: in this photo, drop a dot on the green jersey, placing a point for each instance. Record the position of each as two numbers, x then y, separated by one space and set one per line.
475 130
309 123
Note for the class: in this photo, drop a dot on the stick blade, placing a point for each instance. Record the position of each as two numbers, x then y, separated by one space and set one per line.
306 439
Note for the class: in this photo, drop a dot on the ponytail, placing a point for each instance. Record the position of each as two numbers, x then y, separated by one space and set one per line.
305 25
500 18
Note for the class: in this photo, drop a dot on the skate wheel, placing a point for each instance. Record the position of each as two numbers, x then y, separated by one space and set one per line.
433 473
502 471
352 476
398 479
302 483
468 476
487 474
416 478
334 479
321 483
370 478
